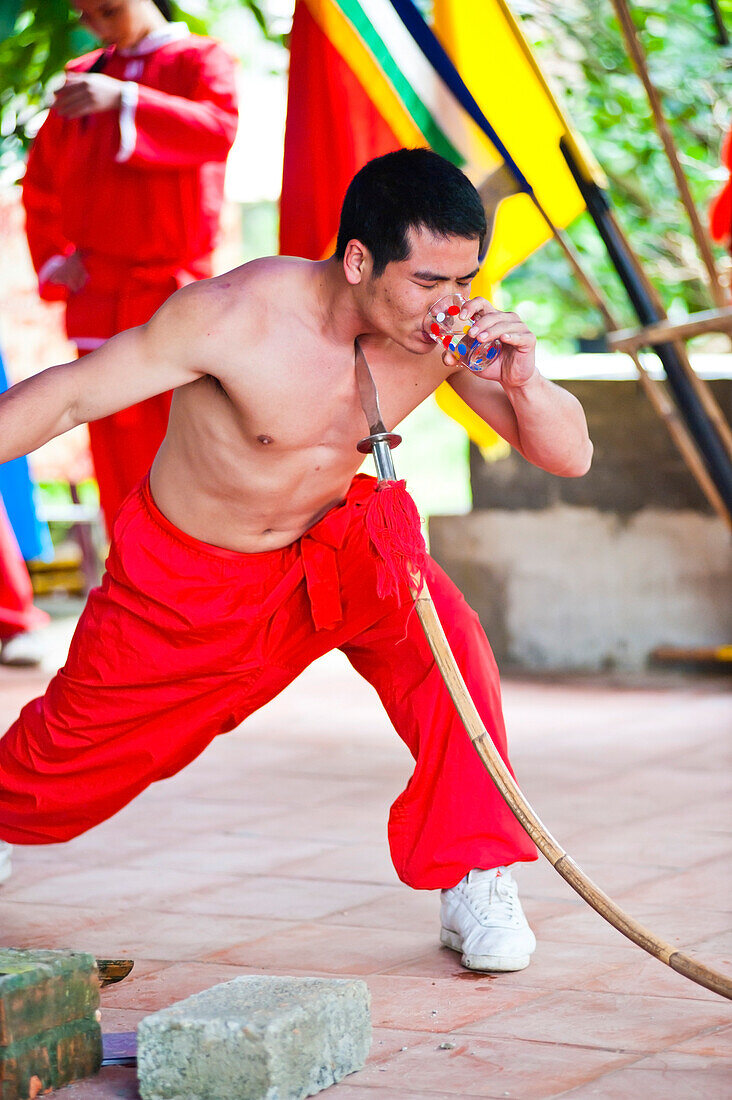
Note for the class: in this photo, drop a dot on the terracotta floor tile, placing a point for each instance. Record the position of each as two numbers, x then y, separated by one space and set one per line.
437 962
365 821
606 1021
667 841
160 988
398 908
28 872
614 877
350 862
388 1041
705 886
473 1066
327 948
278 898
668 1076
719 947
679 927
144 933
553 966
652 978
439 1004
349 1089
109 889
23 924
715 1043
116 1020
223 854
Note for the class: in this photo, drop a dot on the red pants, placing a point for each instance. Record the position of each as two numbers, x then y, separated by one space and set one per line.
17 611
123 447
183 640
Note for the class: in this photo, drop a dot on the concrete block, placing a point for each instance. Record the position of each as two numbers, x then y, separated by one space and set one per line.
49 1021
577 588
255 1038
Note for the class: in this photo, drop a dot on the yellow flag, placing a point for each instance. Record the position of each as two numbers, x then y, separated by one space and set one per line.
487 46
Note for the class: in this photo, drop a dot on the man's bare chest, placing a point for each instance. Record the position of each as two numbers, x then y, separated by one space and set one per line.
312 404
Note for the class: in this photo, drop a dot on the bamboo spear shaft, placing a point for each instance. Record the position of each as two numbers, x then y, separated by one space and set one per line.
637 55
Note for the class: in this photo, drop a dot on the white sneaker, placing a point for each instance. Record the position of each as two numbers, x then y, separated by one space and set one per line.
482 918
24 650
6 866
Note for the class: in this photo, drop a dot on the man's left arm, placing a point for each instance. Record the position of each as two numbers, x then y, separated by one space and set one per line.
545 423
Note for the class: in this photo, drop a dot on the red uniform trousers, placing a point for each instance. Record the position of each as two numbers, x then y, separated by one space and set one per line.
183 640
17 611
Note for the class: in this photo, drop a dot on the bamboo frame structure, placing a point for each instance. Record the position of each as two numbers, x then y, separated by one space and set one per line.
637 56
708 320
654 391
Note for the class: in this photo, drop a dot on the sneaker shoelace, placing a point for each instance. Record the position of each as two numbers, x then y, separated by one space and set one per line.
495 897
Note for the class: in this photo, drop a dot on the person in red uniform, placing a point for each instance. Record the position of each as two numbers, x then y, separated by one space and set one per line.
123 193
19 617
720 212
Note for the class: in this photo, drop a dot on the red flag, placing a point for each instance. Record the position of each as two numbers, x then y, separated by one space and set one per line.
333 129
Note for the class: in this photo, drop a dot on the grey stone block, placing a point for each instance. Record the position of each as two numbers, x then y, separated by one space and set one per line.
255 1038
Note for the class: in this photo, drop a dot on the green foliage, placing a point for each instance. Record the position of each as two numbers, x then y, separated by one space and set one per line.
37 38
580 46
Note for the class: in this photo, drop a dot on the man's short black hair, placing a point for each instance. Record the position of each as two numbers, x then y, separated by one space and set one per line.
408 189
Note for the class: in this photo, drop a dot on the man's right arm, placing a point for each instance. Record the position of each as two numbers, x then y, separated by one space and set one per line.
131 367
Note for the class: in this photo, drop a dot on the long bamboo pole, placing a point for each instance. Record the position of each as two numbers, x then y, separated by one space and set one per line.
709 320
601 902
637 55
701 388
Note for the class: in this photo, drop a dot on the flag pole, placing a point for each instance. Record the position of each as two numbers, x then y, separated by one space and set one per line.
653 390
719 24
703 417
637 56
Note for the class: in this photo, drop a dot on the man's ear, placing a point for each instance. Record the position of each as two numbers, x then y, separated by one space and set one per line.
356 262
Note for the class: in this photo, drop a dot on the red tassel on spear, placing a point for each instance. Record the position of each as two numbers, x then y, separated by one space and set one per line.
394 528
392 519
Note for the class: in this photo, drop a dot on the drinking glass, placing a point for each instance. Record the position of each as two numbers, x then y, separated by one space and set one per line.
444 324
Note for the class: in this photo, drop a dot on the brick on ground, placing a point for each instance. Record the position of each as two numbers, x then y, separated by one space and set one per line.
255 1038
49 1021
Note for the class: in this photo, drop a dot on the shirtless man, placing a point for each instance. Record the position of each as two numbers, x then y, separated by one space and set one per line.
245 556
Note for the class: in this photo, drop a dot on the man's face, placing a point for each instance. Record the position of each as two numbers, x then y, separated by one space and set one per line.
398 300
113 22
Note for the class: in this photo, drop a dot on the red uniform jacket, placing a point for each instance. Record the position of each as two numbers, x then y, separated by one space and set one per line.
720 212
137 191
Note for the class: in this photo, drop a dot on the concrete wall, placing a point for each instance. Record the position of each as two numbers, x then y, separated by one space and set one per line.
594 572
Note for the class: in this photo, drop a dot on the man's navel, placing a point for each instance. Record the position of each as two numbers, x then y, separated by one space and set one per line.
265 439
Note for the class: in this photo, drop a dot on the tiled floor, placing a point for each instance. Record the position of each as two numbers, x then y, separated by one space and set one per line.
268 856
